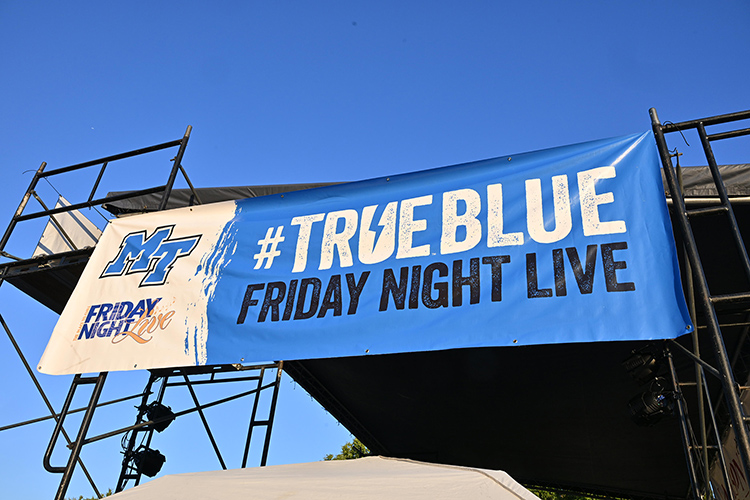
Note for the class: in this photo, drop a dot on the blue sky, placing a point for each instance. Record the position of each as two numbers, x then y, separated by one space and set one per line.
290 91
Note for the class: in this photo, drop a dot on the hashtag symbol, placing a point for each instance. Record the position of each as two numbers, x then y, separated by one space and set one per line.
268 248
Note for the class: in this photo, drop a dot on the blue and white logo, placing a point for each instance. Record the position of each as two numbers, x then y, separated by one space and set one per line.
153 255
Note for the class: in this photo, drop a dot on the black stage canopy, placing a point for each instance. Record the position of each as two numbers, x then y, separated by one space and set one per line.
554 415
696 181
185 197
551 415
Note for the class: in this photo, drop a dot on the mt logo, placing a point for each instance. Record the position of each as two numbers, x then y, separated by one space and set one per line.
154 255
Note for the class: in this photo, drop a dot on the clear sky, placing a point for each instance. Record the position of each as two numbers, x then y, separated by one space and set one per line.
291 91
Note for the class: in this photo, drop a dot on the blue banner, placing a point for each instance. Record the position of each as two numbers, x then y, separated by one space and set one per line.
571 244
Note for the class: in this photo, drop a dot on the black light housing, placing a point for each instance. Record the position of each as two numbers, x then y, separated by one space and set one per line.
148 462
643 364
647 408
156 411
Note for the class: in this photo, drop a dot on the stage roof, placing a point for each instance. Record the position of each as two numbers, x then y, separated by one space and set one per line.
550 414
696 181
186 198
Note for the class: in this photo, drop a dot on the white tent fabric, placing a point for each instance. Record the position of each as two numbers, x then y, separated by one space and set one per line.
76 226
361 479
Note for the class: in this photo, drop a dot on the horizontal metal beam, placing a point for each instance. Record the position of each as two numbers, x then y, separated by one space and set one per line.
77 410
106 159
713 120
208 369
728 135
212 381
695 212
178 414
730 298
88 204
734 200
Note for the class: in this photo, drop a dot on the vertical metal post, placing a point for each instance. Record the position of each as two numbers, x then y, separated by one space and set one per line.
272 414
128 452
682 413
175 168
690 297
98 180
253 413
22 206
67 471
149 429
722 191
190 185
717 436
731 388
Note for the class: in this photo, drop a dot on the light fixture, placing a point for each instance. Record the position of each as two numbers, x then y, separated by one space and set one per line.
651 405
643 364
157 411
148 461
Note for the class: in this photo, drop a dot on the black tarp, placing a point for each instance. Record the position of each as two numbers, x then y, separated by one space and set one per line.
697 183
185 197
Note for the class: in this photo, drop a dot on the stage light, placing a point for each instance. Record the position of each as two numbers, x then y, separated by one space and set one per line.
650 406
148 461
643 364
157 411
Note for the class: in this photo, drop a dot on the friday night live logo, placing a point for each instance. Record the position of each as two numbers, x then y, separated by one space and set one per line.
153 256
123 319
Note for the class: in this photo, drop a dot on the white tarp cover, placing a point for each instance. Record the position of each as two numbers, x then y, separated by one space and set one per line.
364 478
77 227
